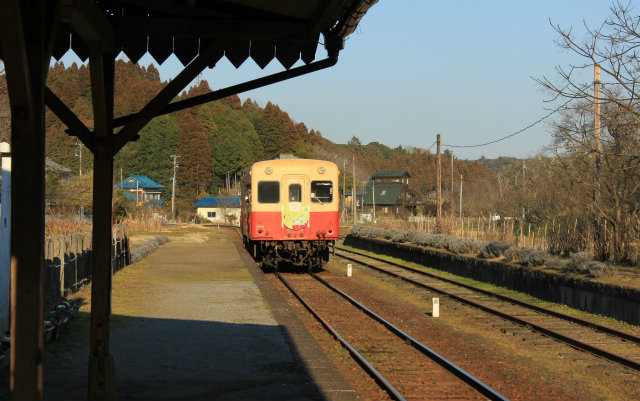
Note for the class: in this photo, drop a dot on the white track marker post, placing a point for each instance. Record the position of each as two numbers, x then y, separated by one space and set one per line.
349 270
436 307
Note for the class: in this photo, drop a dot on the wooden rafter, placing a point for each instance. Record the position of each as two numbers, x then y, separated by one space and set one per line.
73 123
88 20
170 91
210 28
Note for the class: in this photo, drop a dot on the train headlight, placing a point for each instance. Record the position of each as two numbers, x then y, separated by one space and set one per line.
268 170
321 170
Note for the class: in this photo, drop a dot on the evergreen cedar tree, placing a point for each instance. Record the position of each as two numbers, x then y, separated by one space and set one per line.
216 140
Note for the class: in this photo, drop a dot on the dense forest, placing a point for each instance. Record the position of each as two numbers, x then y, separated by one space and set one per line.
219 141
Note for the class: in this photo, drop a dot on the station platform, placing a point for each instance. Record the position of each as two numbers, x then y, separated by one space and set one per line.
197 319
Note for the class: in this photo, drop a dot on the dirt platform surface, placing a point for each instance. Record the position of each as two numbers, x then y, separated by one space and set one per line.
197 320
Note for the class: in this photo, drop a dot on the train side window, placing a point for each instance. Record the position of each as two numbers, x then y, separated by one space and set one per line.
295 193
268 192
321 191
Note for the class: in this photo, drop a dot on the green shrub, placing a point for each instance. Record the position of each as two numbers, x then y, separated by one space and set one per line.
494 249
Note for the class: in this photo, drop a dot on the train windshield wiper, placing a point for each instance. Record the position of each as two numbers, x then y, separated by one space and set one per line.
316 198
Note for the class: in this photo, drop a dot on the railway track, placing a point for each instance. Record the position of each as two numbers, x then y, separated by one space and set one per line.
605 342
402 366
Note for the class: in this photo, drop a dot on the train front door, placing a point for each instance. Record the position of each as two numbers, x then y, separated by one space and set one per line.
295 209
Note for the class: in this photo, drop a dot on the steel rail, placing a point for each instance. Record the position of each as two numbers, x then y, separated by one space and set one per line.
431 354
533 326
359 358
559 315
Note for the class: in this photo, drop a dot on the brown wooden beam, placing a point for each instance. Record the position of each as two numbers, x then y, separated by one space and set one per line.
235 89
168 93
89 21
75 126
101 368
243 29
25 32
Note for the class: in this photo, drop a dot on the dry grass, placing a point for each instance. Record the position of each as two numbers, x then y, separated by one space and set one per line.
61 227
143 221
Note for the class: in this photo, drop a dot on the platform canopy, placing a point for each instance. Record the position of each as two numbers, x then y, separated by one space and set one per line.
199 33
287 30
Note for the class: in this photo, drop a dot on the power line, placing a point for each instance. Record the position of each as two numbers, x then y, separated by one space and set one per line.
513 134
432 145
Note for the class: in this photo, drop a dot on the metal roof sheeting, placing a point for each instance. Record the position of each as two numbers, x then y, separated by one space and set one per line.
391 173
218 201
139 181
387 193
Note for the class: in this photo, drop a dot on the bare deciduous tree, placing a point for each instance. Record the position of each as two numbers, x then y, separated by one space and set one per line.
604 170
613 46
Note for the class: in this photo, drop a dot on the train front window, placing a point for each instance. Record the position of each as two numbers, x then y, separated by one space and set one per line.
295 193
268 192
321 191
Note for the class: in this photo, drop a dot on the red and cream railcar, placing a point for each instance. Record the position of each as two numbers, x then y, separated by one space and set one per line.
290 211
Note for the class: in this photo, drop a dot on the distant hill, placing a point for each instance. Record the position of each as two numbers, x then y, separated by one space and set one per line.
498 164
217 142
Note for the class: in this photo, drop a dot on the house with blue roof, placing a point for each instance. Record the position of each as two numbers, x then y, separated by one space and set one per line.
142 189
219 209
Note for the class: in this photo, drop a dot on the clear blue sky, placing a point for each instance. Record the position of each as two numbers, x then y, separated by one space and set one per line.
415 68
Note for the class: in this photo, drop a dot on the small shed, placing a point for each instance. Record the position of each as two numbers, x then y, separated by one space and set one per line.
141 188
219 209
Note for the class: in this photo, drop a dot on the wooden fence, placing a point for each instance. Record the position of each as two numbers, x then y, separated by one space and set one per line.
68 260
514 231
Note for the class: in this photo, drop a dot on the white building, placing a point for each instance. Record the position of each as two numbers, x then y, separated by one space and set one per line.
219 209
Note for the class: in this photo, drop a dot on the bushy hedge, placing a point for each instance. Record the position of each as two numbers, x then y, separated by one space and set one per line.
444 241
140 251
580 262
533 257
494 249
462 245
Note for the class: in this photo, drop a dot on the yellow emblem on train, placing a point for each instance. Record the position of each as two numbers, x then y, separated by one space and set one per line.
295 216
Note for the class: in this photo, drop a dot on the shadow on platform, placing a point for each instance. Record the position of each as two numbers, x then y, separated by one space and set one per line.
163 359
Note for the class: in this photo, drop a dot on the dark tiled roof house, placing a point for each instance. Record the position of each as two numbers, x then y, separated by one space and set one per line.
388 191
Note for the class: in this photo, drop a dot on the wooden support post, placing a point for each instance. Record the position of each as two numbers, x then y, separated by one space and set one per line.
26 31
101 368
438 181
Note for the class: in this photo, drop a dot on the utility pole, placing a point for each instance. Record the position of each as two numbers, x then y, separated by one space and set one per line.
79 145
439 180
524 179
596 136
373 194
460 196
452 206
596 113
173 187
353 190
